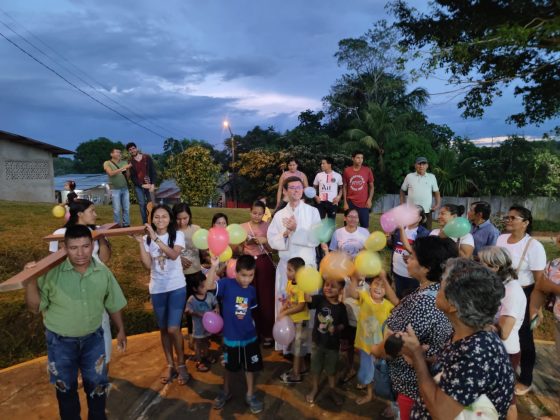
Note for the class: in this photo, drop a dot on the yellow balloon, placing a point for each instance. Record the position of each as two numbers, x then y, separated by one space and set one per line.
336 265
224 256
376 241
58 211
308 279
368 263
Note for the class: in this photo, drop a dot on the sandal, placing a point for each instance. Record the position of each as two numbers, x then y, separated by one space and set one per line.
183 375
171 374
201 367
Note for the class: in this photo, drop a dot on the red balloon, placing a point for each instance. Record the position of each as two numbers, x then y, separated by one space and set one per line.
218 240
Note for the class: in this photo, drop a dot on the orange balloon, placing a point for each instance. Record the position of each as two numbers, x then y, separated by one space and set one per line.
336 265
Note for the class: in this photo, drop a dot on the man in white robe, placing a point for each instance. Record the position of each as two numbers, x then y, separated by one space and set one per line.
291 235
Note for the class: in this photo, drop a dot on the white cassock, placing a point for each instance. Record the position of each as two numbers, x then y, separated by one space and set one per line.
301 243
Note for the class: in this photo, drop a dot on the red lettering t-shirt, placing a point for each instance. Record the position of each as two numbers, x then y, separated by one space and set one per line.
357 184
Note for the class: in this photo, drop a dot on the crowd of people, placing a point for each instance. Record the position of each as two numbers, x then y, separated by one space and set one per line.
440 333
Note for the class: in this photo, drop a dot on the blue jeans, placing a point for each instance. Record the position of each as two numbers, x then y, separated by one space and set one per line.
121 204
366 371
169 307
65 356
143 197
363 214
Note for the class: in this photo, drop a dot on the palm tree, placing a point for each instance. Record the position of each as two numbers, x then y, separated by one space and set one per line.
451 173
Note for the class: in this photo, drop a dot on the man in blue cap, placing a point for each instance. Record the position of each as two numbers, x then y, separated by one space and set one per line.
421 186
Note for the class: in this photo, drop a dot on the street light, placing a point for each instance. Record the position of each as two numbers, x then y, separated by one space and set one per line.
234 192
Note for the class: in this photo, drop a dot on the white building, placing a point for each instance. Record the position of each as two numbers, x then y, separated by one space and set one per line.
26 168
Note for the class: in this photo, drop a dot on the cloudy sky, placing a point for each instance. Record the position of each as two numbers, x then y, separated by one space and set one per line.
180 67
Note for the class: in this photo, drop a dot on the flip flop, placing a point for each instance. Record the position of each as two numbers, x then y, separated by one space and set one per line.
201 367
171 375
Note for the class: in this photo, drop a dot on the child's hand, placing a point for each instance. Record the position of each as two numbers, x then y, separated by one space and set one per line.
325 248
331 329
215 261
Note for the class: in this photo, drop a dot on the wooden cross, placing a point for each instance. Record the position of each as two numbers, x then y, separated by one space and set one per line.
19 280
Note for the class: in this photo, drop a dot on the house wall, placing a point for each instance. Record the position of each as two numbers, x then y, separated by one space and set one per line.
26 173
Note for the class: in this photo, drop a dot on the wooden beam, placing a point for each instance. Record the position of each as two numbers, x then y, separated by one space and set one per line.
19 280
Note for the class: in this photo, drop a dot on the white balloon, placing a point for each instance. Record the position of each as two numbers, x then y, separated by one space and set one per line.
310 192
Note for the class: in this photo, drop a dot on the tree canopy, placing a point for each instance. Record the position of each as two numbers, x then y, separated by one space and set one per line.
485 46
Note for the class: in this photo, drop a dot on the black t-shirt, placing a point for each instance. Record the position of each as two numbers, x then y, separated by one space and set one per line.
327 314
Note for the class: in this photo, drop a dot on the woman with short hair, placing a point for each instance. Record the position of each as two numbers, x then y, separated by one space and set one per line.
472 372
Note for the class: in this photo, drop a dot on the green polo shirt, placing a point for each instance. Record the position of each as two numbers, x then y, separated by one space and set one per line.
117 181
73 303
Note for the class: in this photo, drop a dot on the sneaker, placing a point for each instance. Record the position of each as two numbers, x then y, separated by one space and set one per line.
287 378
221 400
254 404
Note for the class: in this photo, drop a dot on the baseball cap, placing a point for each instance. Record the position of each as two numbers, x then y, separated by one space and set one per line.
421 159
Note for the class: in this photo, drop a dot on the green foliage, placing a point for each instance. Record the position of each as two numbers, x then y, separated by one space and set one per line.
487 45
91 154
196 175
63 166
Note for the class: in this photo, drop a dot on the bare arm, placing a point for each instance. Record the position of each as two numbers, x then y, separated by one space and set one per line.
113 172
505 324
345 195
352 287
292 310
404 240
32 295
389 292
305 181
211 276
117 319
402 196
538 295
104 249
437 196
465 251
145 257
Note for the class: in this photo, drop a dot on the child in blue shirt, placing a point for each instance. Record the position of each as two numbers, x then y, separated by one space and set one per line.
198 304
242 349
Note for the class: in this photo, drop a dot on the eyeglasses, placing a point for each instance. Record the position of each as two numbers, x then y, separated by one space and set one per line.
299 188
511 218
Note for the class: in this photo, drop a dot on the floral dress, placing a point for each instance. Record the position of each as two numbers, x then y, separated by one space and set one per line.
471 368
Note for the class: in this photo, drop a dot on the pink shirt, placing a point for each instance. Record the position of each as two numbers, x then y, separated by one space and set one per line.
260 230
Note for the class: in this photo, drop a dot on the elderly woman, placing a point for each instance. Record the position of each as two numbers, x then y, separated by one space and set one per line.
419 310
473 371
529 261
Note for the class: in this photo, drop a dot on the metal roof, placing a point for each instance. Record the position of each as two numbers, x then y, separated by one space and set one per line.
83 181
16 138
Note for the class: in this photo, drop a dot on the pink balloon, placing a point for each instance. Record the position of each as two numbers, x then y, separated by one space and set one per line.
388 222
230 268
404 215
284 331
212 322
218 240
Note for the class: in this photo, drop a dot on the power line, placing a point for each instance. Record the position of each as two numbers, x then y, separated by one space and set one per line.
78 77
132 111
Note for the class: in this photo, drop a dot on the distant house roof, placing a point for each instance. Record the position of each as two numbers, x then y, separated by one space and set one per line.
168 189
83 181
4 135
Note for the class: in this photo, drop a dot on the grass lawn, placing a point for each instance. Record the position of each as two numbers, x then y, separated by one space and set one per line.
22 225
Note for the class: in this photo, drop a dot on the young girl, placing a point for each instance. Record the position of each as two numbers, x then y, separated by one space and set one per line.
198 304
256 245
295 307
374 311
512 309
402 249
70 186
220 220
190 255
447 213
160 250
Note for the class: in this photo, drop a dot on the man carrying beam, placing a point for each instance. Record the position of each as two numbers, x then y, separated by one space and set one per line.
72 297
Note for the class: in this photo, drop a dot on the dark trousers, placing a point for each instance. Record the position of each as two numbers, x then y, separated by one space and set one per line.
264 283
363 214
528 354
328 209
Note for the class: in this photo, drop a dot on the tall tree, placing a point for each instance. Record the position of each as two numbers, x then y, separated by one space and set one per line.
196 175
91 154
487 45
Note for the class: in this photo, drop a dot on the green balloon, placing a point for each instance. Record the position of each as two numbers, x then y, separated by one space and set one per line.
200 239
236 234
323 231
457 227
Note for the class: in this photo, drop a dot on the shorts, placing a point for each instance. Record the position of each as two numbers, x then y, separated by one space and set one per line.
300 341
169 307
366 371
244 355
323 359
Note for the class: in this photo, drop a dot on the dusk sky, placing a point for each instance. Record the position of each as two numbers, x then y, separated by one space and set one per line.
181 67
